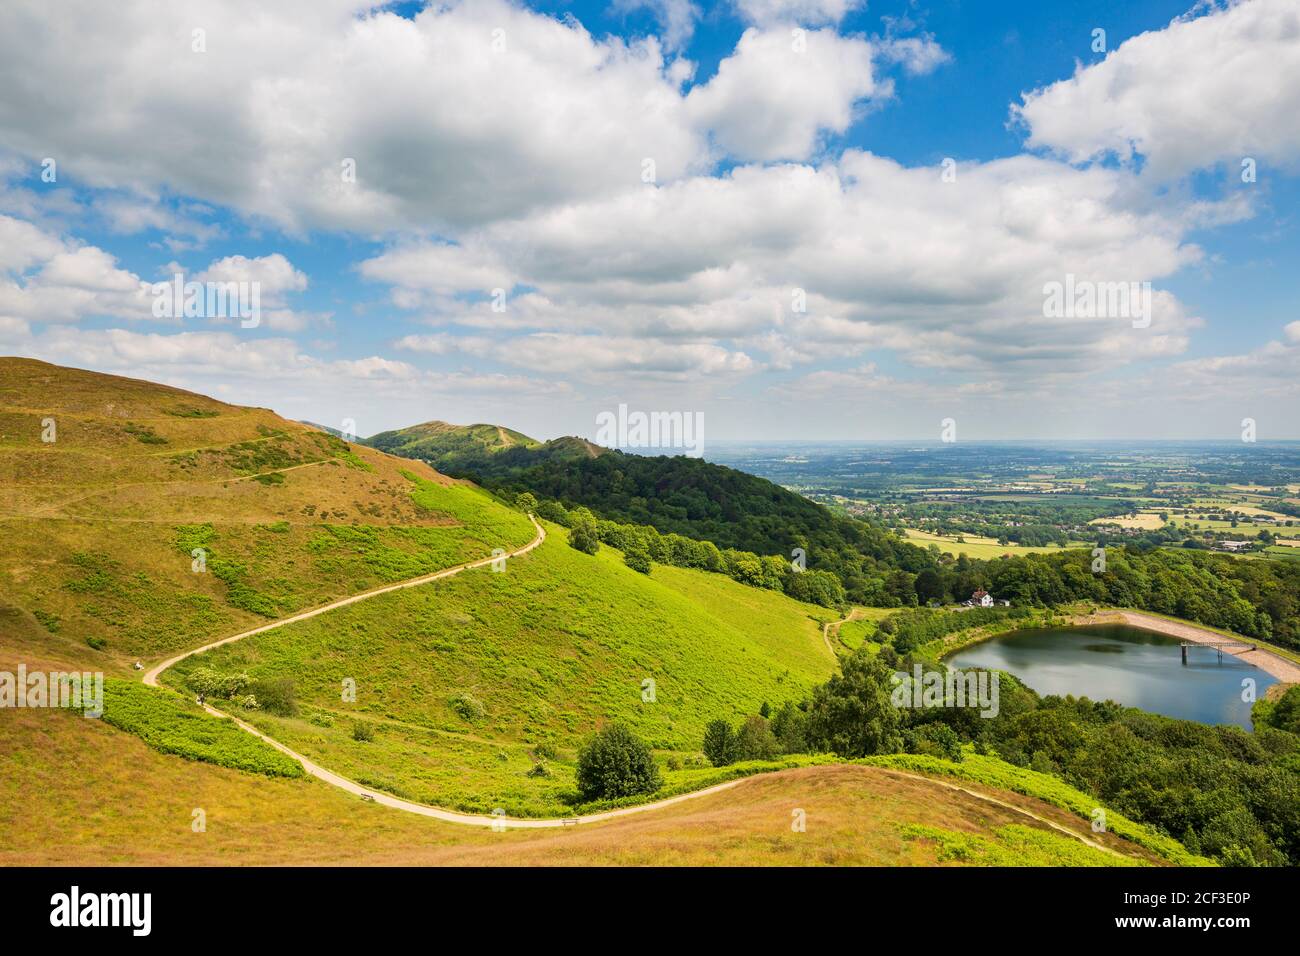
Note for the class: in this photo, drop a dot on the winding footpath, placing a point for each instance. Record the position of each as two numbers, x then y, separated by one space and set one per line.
448 816
498 821
854 615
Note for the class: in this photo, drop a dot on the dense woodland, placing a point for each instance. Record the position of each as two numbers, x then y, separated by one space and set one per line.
696 499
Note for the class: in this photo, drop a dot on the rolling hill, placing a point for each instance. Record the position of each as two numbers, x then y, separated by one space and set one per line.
131 805
674 494
155 518
140 521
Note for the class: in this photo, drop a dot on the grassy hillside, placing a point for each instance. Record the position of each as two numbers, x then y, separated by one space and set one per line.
472 692
100 524
471 683
679 495
436 438
130 805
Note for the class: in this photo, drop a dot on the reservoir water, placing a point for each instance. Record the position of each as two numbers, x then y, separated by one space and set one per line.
1125 664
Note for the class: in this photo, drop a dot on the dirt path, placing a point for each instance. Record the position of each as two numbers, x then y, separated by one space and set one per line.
1284 670
151 676
1008 806
503 822
854 615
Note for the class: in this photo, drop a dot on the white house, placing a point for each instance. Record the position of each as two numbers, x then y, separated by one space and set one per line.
981 599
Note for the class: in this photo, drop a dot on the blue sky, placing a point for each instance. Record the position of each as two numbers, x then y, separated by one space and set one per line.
778 172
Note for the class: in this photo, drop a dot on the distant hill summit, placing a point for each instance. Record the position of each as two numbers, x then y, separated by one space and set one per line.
443 438
474 449
319 427
674 494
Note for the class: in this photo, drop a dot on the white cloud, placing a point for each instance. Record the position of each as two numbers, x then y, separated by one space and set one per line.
677 17
949 275
918 55
203 360
772 100
807 12
44 278
275 274
1205 90
443 126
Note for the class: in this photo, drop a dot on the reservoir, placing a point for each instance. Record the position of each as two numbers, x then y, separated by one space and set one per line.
1124 664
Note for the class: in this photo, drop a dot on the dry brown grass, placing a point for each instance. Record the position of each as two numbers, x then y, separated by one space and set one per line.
100 494
76 792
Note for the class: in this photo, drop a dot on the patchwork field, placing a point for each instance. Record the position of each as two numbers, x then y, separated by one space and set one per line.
974 546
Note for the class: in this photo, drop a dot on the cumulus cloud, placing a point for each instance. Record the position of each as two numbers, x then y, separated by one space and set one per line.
776 94
884 256
808 12
467 112
208 359
44 278
335 114
1207 89
676 17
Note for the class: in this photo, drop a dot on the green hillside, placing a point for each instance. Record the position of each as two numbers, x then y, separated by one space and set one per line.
101 524
470 683
431 440
679 495
156 520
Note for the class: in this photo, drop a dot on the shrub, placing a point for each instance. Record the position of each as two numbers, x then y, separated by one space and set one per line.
275 696
554 512
362 731
637 560
583 535
616 763
720 743
207 682
467 705
755 740
545 751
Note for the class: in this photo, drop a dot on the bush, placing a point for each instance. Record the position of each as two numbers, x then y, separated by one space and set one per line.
637 560
616 763
583 535
755 740
554 512
207 682
720 743
275 697
362 731
467 705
